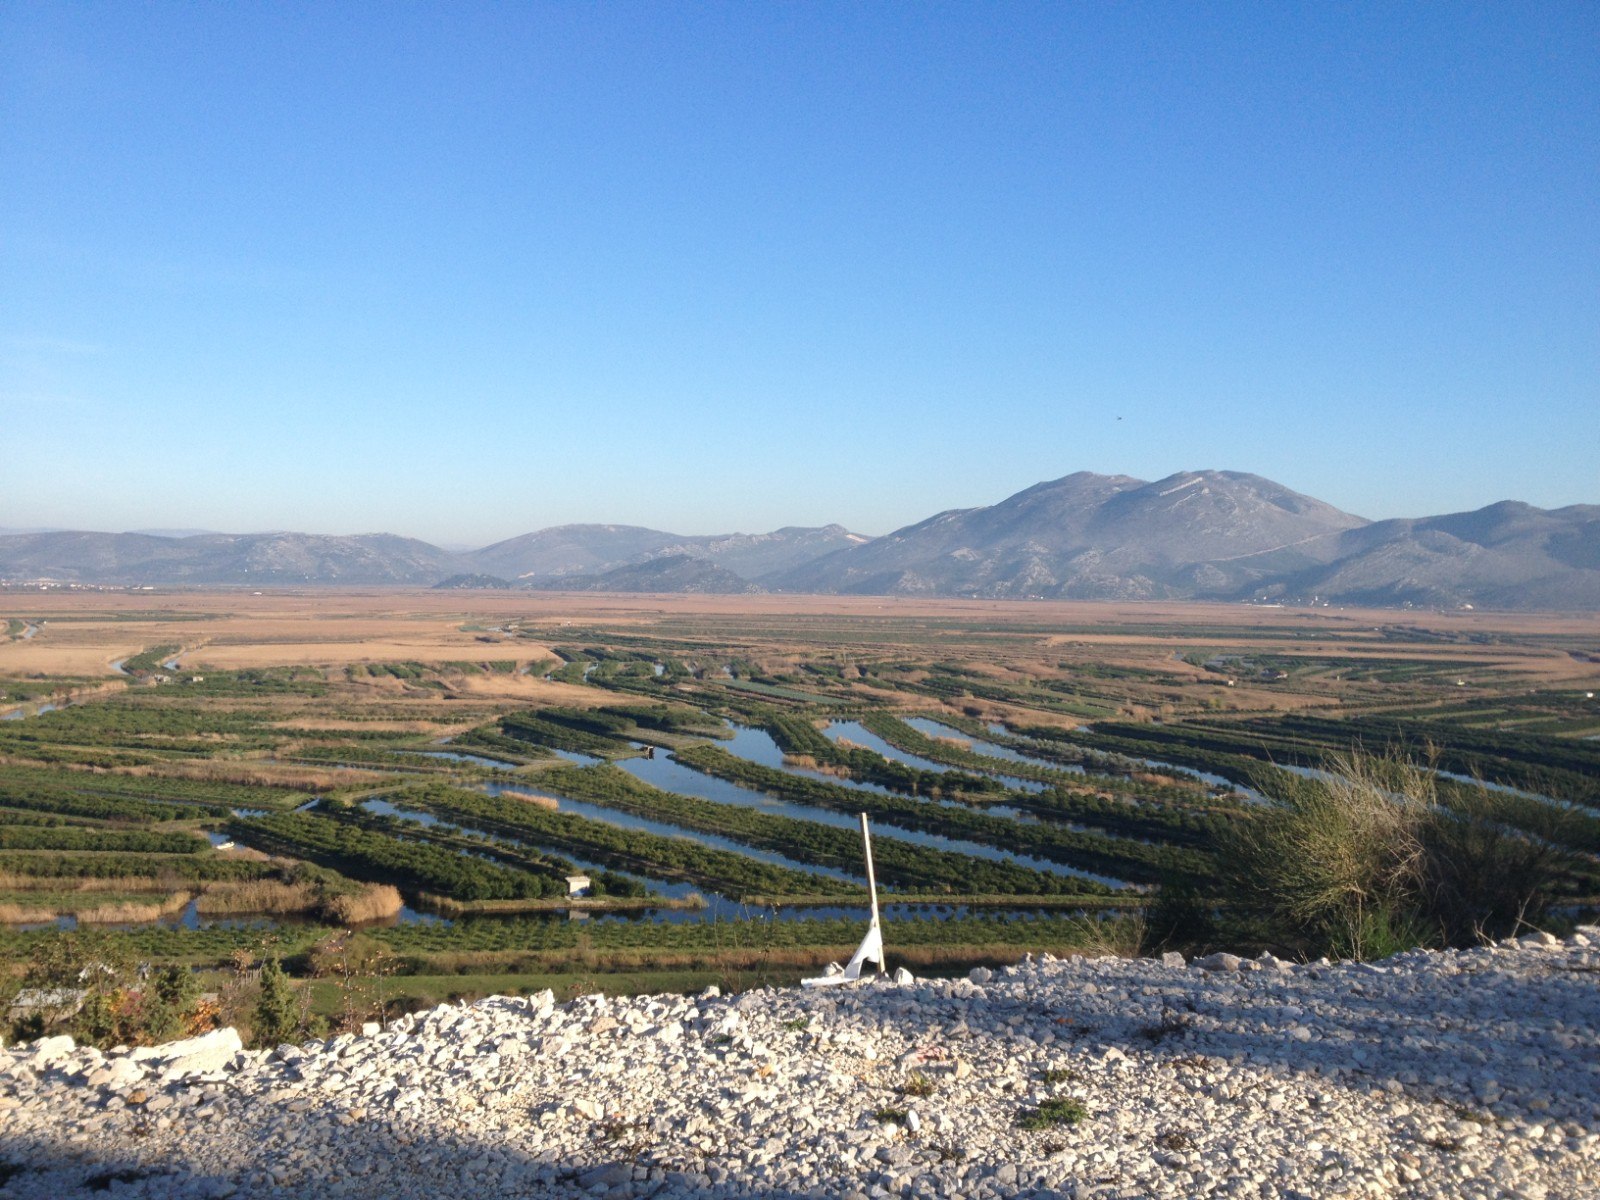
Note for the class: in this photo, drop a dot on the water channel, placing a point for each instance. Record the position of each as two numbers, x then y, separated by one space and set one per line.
28 710
673 776
477 760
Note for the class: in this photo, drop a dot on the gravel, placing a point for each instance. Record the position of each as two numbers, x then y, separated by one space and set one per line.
1459 1074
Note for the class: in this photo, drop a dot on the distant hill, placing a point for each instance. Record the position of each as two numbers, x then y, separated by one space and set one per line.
1093 537
533 559
569 550
593 549
1508 555
1211 535
269 558
1222 535
756 554
672 573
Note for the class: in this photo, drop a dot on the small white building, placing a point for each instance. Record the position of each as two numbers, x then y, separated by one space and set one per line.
578 885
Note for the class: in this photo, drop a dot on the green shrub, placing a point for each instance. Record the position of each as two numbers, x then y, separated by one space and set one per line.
1369 862
1052 1113
277 1011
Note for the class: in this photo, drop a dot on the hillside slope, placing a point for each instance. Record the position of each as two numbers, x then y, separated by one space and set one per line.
681 573
595 549
1196 535
1428 1075
1086 536
265 558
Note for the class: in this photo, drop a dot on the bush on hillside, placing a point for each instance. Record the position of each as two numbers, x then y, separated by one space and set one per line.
1370 862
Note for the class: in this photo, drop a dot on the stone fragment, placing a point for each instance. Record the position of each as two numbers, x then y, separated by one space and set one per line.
192 1056
49 1051
117 1074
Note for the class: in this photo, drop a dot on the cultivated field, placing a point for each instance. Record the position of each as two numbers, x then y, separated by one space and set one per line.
259 771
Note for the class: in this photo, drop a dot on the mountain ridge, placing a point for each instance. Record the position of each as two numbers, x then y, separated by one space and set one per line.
1207 535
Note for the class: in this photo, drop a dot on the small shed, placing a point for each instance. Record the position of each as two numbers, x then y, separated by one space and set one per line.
578 885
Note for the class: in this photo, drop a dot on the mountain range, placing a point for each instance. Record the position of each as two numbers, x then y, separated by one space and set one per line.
1213 535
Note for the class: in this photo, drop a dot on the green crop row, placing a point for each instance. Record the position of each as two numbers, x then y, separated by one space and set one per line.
67 865
1121 858
381 858
24 837
900 864
631 850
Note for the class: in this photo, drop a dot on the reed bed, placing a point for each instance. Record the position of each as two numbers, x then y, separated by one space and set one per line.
257 896
375 902
546 802
116 883
133 912
285 776
16 914
804 762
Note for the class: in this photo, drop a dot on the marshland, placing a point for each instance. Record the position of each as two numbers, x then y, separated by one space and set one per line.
413 783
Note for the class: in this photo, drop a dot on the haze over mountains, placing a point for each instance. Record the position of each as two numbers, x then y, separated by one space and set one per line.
1215 535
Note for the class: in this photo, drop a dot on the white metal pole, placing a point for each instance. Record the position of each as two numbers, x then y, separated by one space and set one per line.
872 880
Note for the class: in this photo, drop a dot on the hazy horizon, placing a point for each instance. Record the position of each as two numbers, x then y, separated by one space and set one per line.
459 273
457 545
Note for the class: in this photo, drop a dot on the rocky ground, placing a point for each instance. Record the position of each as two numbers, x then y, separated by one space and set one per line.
1470 1074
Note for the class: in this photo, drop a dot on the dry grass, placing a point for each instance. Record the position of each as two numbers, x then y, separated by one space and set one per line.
133 913
296 654
338 626
43 883
275 775
804 762
528 689
545 802
234 615
338 725
15 914
375 902
256 896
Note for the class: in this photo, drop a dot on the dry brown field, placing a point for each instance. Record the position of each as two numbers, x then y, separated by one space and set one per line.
85 632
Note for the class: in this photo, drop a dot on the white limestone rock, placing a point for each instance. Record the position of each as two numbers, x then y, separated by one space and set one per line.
210 1052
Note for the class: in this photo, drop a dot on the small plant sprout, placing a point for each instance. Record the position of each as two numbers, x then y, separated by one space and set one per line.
918 1085
1052 1113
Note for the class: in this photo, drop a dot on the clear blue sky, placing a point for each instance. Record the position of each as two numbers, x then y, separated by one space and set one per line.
461 271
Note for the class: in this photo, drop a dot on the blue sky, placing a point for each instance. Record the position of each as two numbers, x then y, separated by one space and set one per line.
462 271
